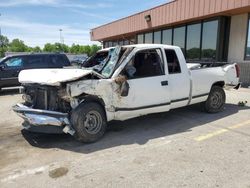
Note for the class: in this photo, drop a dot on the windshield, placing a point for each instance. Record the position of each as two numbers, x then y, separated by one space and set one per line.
1 59
111 62
96 59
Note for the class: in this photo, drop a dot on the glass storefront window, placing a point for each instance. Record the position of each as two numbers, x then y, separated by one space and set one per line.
209 40
132 41
140 39
126 42
148 38
115 43
193 41
105 44
197 41
157 37
247 56
120 43
167 36
179 37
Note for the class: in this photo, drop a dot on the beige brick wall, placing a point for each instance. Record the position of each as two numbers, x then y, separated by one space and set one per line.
237 42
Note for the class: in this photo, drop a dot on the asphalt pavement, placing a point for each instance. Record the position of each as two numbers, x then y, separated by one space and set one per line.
181 148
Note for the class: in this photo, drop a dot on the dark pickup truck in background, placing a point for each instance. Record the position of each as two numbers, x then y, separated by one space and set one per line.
10 66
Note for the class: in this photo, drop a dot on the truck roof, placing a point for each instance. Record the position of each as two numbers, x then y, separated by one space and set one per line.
143 46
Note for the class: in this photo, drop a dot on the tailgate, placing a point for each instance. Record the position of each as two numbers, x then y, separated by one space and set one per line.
231 75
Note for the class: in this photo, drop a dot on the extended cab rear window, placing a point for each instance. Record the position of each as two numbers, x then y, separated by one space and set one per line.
173 62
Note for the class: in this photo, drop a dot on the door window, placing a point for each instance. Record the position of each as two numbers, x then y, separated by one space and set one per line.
146 63
14 62
35 62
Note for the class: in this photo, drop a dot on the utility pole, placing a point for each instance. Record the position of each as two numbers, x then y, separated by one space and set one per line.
61 37
1 42
0 26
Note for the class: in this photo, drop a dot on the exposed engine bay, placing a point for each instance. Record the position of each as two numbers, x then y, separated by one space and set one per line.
46 98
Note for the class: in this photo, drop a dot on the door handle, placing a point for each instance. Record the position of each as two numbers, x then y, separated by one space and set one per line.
164 83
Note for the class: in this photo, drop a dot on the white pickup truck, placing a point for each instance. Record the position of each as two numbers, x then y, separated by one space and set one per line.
136 80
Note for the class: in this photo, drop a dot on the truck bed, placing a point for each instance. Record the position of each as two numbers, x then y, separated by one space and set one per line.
202 64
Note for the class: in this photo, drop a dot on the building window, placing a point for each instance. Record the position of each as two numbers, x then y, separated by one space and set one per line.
132 41
209 40
140 39
105 44
179 37
193 41
157 37
200 41
120 43
247 56
126 42
148 38
167 36
110 44
115 43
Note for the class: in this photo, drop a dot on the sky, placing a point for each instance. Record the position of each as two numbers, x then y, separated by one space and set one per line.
37 22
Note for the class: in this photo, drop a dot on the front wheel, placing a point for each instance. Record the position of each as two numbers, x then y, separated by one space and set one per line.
89 122
215 101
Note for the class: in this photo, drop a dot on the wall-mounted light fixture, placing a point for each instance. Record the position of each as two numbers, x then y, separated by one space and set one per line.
148 18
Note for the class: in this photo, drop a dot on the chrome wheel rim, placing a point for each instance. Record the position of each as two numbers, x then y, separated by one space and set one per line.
216 100
93 122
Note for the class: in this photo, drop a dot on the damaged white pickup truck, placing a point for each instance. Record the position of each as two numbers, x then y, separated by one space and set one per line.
136 80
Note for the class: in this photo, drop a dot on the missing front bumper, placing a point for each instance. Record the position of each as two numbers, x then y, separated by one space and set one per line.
43 118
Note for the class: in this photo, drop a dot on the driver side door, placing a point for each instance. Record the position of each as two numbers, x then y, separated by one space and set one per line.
10 71
148 86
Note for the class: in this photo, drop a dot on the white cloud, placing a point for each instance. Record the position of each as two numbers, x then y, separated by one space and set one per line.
37 34
54 3
13 3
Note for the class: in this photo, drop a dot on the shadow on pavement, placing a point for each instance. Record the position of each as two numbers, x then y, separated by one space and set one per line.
139 130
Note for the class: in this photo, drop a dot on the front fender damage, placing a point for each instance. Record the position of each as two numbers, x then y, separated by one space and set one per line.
102 89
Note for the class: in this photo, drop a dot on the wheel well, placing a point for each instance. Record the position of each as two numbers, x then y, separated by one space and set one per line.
95 99
220 84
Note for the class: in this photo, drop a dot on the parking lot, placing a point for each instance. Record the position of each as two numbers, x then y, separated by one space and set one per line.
181 148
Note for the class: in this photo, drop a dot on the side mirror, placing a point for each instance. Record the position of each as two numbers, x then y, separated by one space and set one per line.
124 89
2 66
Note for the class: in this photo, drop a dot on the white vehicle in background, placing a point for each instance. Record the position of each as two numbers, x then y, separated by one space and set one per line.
136 80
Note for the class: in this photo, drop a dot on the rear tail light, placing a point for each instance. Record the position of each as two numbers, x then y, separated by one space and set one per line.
237 70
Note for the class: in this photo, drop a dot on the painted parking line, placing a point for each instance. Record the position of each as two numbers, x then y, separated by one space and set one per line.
221 131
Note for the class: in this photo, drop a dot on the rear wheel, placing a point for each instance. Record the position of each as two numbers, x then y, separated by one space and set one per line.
89 122
215 101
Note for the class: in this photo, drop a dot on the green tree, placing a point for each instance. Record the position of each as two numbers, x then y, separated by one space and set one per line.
85 50
61 47
75 49
18 46
94 48
4 44
49 47
37 49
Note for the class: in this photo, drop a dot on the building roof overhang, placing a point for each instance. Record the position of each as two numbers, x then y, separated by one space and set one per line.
169 14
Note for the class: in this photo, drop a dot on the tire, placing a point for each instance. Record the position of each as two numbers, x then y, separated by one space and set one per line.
215 101
89 122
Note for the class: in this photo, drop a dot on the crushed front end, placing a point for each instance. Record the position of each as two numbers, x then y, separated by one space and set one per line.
45 109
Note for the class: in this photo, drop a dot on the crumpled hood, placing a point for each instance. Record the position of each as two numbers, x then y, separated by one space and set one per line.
51 77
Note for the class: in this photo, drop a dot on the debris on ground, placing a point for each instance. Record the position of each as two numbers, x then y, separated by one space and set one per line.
242 103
